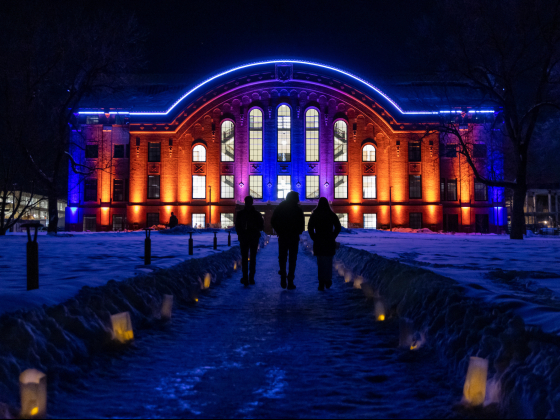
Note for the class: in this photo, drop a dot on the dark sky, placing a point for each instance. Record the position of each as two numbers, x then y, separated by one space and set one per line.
200 37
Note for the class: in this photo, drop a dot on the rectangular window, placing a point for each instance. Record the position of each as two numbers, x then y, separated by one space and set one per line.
343 217
90 224
415 186
152 219
228 141
199 220
226 220
199 187
284 134
442 195
119 151
284 186
450 150
370 221
414 151
153 187
256 187
154 152
480 191
452 190
92 119
341 186
126 190
307 216
118 224
227 190
312 135
90 190
370 187
479 151
118 190
415 220
312 187
255 136
340 142
92 151
128 151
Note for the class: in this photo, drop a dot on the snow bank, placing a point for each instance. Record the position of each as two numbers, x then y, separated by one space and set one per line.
60 339
525 362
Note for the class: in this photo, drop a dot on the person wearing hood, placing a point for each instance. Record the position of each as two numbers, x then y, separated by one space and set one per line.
289 222
324 226
173 221
249 223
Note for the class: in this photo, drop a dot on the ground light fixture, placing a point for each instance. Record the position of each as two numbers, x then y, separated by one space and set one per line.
122 327
474 391
207 281
379 311
33 391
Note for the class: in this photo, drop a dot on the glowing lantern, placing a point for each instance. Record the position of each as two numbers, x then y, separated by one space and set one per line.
347 276
474 391
33 390
235 266
379 311
122 327
358 282
207 281
167 306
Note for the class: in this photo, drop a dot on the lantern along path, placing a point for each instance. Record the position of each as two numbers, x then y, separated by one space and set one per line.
267 352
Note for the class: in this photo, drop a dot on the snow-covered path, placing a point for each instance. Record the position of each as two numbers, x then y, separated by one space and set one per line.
266 352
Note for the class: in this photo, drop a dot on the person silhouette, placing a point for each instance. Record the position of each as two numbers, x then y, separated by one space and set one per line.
289 222
323 228
249 223
173 221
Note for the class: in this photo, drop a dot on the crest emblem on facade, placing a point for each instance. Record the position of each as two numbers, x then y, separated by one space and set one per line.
284 72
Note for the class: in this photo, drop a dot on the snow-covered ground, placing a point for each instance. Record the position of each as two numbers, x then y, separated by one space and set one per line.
524 275
67 263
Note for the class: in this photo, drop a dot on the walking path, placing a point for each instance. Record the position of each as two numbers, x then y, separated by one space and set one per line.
267 352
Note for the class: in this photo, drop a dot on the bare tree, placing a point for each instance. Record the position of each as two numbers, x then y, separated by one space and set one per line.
53 57
510 52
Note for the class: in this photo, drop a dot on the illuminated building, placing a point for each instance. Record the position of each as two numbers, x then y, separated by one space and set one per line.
267 128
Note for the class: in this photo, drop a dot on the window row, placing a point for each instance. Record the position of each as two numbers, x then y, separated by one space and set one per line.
448 190
120 151
120 190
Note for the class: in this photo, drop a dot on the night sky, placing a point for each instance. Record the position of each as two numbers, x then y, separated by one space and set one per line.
200 37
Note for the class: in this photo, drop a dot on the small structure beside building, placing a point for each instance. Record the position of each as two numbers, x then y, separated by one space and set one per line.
541 207
39 213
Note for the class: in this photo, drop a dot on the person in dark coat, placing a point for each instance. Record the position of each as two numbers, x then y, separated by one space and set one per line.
289 222
173 221
323 229
249 223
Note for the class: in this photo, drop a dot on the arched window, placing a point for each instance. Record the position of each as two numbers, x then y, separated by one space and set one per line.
312 135
340 141
228 141
284 134
199 153
255 136
368 153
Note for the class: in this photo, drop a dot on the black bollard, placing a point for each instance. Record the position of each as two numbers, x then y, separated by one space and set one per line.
191 251
147 248
229 238
32 257
215 241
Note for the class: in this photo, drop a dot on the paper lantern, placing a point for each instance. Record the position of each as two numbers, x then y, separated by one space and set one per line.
379 311
33 390
122 327
207 281
474 391
167 306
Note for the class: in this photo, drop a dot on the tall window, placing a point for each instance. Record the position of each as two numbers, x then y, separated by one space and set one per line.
255 186
312 135
227 190
442 189
228 141
451 190
370 187
284 186
415 186
340 142
118 190
199 220
414 151
199 187
226 220
90 190
154 152
343 217
152 219
153 187
199 153
312 187
370 221
341 186
255 136
118 224
92 151
479 150
368 153
284 134
415 220
480 191
119 151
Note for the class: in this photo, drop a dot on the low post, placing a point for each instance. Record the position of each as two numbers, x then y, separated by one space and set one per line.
229 238
32 257
191 251
148 248
215 241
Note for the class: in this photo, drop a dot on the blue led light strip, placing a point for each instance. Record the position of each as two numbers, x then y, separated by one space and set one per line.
294 62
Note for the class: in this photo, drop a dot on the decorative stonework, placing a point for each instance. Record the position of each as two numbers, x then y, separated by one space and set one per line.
415 168
313 168
284 72
227 168
199 168
154 168
255 168
341 168
283 168
369 168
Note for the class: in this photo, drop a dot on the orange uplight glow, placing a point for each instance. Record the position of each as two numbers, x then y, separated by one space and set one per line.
105 216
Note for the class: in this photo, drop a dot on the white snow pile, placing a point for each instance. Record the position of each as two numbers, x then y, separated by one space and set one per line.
60 339
524 361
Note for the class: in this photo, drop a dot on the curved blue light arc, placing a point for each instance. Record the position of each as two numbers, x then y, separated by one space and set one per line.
311 63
